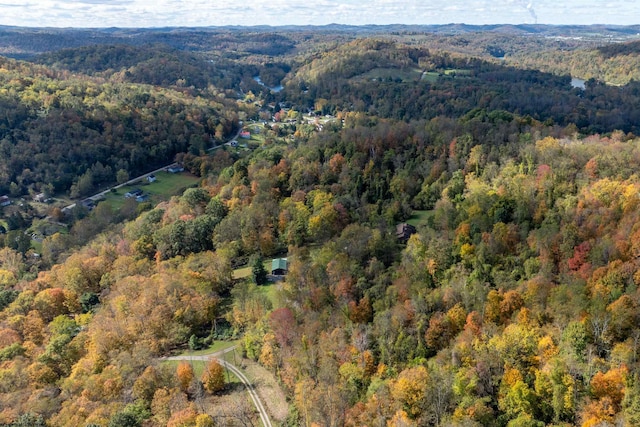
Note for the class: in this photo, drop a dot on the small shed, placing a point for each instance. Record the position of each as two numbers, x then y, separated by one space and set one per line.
151 178
41 198
279 267
142 198
4 201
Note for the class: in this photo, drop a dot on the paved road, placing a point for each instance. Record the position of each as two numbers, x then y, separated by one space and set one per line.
266 422
99 195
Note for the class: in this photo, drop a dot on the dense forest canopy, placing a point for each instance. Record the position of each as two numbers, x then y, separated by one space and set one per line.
68 133
514 303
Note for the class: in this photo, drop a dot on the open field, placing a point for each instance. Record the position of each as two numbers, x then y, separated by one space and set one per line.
412 74
419 217
262 380
167 185
433 76
271 291
430 76
215 347
244 272
457 71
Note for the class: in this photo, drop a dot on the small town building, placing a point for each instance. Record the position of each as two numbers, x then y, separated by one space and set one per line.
4 201
40 198
151 178
279 267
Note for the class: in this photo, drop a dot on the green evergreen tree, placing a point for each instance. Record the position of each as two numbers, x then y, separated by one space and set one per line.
258 272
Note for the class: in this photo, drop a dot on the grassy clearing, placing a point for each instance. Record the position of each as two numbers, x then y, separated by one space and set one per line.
255 137
216 346
268 389
233 357
167 185
197 365
264 382
430 76
244 272
271 292
36 246
419 217
405 75
457 71
198 368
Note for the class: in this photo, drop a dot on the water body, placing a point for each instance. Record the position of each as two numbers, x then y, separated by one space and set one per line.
273 89
577 83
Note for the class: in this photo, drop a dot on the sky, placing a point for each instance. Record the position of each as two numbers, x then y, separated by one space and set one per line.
195 13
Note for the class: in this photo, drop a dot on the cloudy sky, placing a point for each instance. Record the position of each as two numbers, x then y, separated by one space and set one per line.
160 13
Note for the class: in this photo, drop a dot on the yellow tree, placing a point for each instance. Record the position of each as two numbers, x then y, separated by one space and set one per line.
213 377
410 389
185 375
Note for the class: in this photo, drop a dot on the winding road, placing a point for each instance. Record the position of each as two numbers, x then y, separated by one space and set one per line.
264 416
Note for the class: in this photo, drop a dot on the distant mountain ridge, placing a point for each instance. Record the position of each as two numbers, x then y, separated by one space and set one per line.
25 42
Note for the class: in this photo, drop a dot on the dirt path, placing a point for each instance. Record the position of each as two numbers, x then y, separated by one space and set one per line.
264 416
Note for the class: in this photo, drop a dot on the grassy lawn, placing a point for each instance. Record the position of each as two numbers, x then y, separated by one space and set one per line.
244 272
255 137
419 217
37 246
167 185
270 291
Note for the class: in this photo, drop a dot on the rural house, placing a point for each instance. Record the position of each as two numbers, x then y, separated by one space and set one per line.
279 267
133 193
404 231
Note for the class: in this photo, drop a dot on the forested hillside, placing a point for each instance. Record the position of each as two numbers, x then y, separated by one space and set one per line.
514 303
393 80
64 133
616 64
155 65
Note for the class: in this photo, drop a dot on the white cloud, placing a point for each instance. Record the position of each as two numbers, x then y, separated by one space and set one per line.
160 13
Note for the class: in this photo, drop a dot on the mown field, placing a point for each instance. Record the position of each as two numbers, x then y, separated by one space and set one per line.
166 185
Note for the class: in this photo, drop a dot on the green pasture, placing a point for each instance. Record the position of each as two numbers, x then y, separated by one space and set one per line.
419 217
410 74
166 185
